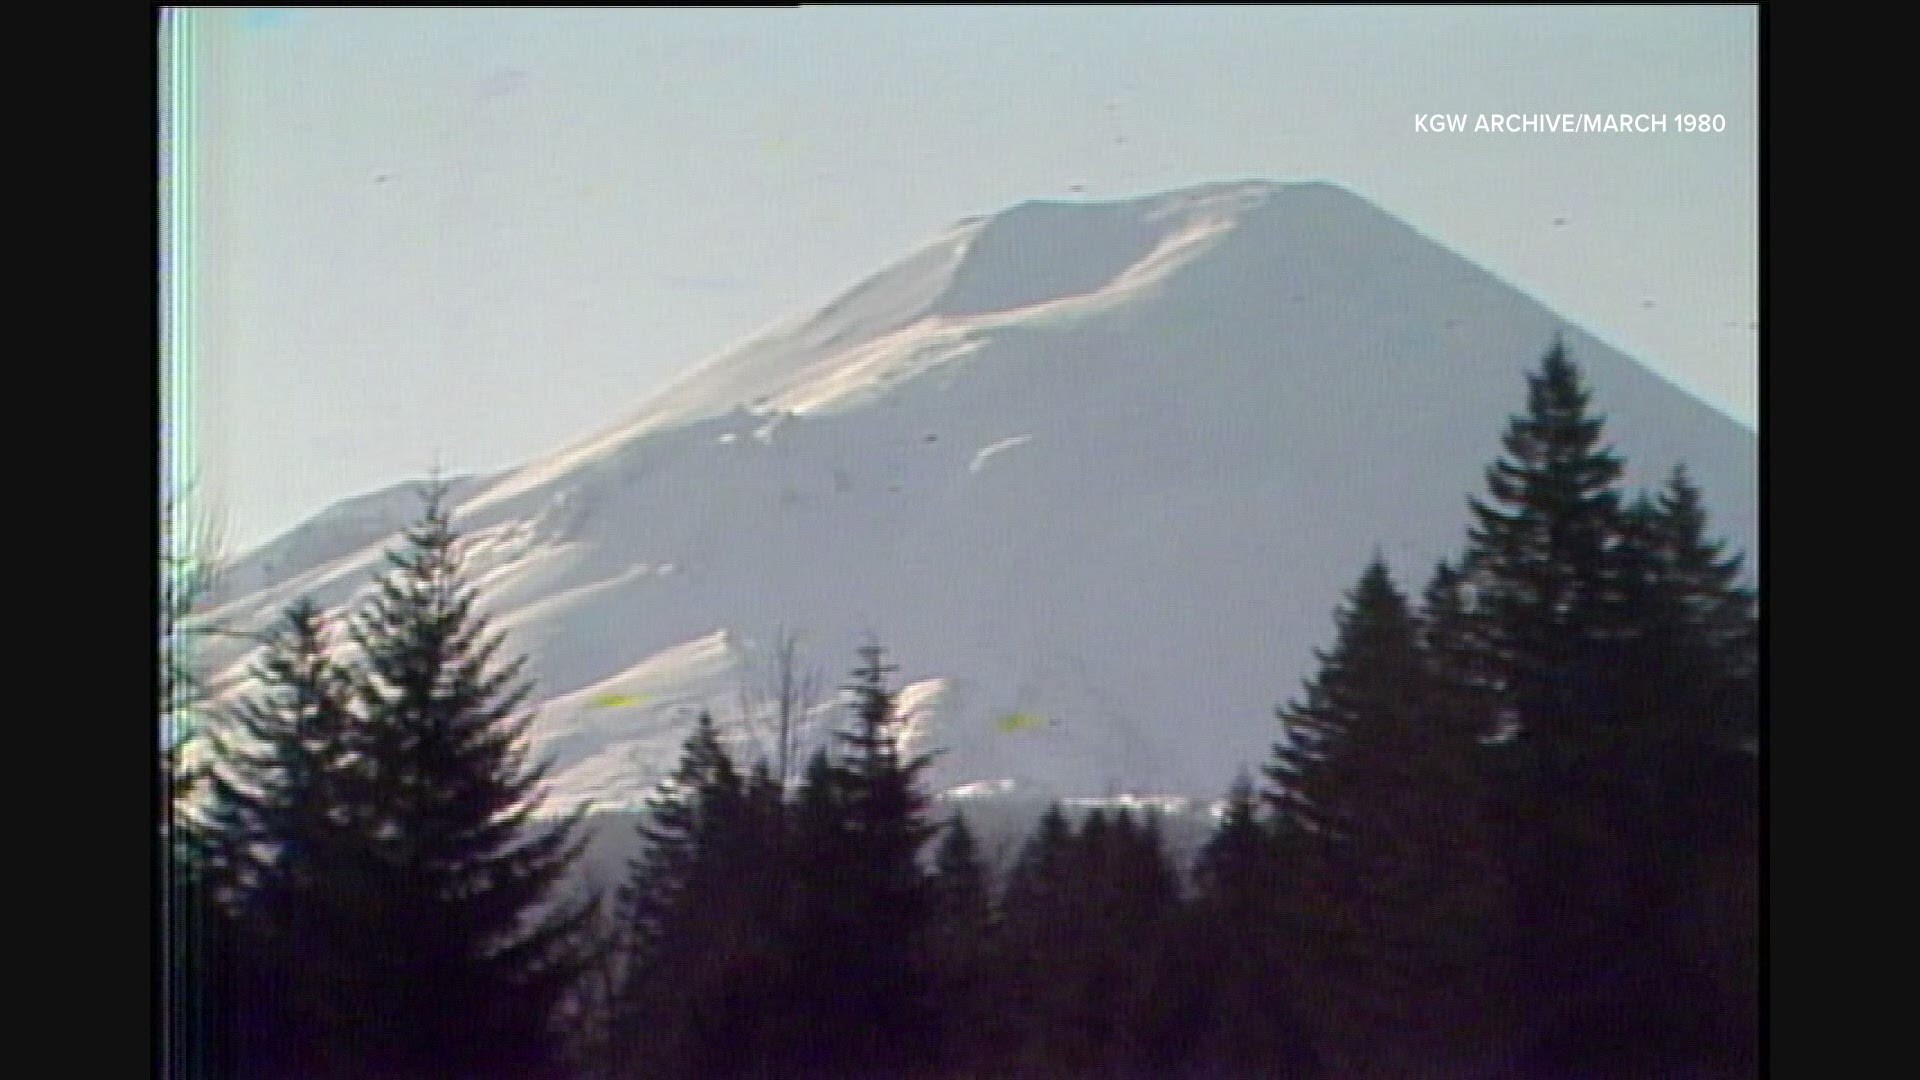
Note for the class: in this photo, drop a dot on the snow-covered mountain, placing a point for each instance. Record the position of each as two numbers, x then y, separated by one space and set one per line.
1095 473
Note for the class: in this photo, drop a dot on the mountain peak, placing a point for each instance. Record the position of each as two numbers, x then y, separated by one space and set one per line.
1060 458
1218 196
1043 250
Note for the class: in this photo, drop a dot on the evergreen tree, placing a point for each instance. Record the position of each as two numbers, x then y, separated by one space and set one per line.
1136 929
1039 872
703 910
1547 561
1238 947
762 839
1682 803
1709 614
1373 669
1031 951
273 831
805 910
960 880
760 904
465 951
962 929
1457 652
242 840
1395 885
670 984
1612 637
864 906
1541 553
1091 919
1688 710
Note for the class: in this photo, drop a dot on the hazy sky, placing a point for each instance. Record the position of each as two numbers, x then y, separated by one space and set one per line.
472 236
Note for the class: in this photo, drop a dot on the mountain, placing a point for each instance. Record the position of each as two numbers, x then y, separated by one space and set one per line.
1095 473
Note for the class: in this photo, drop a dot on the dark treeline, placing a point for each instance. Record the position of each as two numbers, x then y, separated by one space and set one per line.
1509 829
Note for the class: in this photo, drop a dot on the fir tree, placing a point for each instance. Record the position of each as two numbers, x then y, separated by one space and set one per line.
275 830
1395 882
703 906
666 911
1233 865
463 964
1548 565
1032 950
1372 670
1040 871
1091 919
1135 929
960 879
1679 800
962 930
1238 947
1610 636
862 927
1541 552
1457 653
1710 615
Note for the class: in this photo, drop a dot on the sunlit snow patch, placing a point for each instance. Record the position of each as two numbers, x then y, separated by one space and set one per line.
980 459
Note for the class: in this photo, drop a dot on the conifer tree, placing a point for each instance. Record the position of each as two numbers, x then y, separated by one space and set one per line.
885 804
1373 670
1598 627
962 930
1040 871
1032 952
703 907
1710 612
1689 669
862 927
1239 945
1090 921
1233 866
1395 881
762 840
1136 929
1679 802
1453 641
274 833
466 952
668 914
960 879
1540 554
1546 561
761 862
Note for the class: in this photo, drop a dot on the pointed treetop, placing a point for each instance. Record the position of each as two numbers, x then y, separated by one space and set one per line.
871 671
957 847
1374 605
1681 500
1553 496
1443 591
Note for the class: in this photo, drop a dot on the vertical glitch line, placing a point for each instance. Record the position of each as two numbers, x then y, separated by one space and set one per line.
169 913
169 936
180 1019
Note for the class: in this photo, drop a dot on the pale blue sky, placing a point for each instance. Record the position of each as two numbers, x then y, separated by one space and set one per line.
474 235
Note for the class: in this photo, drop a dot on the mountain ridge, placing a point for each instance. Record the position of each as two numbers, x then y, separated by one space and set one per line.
1030 455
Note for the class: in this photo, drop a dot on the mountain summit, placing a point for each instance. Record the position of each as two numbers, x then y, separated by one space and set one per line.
1096 473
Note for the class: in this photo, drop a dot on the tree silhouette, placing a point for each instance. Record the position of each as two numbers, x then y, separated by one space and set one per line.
467 950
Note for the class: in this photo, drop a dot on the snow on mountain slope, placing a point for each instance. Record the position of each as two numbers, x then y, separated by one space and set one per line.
1105 468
